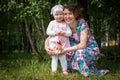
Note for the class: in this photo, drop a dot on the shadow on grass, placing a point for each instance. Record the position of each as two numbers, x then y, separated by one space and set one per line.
15 60
113 65
111 59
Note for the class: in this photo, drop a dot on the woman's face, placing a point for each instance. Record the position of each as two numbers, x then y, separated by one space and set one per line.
69 17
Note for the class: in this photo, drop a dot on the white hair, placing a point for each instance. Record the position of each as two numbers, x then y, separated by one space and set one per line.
56 8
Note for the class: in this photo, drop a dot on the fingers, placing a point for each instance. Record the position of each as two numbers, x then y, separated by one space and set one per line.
51 52
50 49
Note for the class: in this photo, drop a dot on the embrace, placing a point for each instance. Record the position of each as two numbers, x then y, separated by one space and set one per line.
79 48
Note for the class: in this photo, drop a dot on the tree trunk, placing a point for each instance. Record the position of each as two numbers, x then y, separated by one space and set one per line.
31 42
37 26
43 27
25 42
119 37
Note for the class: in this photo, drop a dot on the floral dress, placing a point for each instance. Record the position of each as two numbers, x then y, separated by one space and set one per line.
83 60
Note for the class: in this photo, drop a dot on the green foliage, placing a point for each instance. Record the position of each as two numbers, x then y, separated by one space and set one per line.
103 17
14 12
111 51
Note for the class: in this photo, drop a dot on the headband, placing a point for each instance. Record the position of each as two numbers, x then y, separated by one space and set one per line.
56 8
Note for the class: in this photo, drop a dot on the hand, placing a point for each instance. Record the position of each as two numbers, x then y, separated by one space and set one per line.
63 51
50 52
62 33
57 33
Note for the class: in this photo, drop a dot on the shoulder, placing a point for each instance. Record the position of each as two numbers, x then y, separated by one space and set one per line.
82 24
64 23
82 20
52 22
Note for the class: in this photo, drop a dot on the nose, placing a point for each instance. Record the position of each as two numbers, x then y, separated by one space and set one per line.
66 16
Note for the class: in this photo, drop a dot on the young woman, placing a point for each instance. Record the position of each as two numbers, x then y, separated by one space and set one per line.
83 44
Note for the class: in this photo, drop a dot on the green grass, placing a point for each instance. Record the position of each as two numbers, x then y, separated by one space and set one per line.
25 66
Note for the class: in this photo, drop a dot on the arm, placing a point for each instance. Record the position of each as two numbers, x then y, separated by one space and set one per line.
50 30
68 32
81 45
47 44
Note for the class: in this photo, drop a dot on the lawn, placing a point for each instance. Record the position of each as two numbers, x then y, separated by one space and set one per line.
25 66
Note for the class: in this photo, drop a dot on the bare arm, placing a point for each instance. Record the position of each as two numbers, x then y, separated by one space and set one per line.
47 44
82 44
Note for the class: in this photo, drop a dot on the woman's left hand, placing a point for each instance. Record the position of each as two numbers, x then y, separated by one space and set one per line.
63 51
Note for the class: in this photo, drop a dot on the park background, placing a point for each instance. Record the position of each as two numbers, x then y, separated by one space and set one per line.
23 26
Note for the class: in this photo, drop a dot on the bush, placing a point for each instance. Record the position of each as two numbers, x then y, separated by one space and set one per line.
111 52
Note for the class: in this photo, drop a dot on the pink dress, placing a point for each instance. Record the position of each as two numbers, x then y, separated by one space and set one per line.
55 26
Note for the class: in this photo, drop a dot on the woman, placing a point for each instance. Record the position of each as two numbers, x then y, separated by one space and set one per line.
83 45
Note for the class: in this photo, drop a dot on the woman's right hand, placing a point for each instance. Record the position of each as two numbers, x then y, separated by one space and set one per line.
50 52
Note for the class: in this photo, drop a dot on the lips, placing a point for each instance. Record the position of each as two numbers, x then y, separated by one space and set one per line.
67 19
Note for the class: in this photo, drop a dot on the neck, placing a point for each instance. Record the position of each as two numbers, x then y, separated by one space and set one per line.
73 26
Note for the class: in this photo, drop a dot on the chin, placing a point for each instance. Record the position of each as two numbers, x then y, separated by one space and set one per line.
68 22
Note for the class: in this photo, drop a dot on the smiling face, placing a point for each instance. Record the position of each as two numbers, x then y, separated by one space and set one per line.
58 16
69 17
72 14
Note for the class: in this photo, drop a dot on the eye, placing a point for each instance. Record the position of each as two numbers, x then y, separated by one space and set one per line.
65 13
56 14
61 13
70 13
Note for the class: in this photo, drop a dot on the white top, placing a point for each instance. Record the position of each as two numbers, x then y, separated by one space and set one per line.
55 26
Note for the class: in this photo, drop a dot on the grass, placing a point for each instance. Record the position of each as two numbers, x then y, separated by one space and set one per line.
25 66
